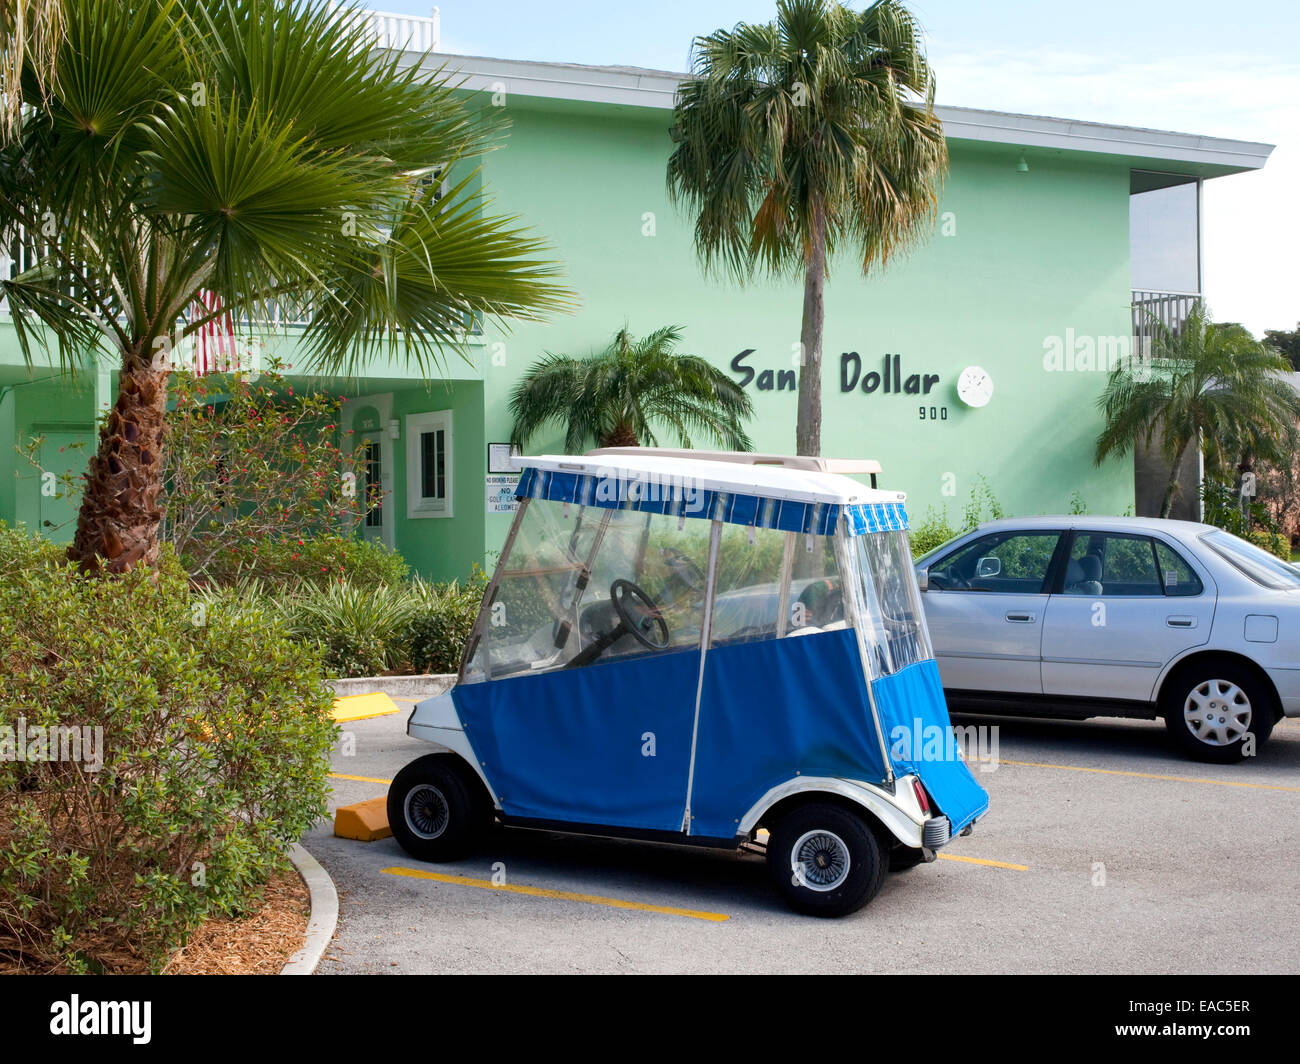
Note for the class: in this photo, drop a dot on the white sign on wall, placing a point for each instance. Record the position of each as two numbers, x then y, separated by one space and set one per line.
499 490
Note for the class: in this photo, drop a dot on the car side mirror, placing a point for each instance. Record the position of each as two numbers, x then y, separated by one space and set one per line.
923 579
989 566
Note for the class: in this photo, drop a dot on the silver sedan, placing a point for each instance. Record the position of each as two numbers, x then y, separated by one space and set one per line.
1080 616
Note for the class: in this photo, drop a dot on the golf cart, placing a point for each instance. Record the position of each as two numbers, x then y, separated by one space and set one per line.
698 648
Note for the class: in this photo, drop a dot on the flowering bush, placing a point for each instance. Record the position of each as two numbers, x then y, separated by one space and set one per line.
251 462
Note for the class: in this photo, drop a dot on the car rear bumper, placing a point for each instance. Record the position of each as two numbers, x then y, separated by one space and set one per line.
1287 682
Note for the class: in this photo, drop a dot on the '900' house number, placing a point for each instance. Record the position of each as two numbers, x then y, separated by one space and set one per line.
933 413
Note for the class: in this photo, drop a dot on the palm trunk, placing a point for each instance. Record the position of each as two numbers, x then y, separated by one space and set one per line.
121 508
620 436
1170 487
808 428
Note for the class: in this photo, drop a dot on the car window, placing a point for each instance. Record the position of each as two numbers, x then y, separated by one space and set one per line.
1111 564
1008 562
1264 568
1178 577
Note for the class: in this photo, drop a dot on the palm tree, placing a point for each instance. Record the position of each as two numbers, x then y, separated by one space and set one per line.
797 136
201 160
615 396
1206 384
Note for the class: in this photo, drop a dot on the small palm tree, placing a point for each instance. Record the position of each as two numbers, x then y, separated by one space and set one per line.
1205 384
801 135
201 161
615 397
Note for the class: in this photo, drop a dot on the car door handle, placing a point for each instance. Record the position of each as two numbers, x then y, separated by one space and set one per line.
1181 622
1022 618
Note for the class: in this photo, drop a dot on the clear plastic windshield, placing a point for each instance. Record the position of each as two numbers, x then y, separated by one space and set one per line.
578 585
892 620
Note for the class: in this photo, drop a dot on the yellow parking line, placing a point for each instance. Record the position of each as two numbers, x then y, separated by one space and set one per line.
558 895
359 779
983 861
1152 776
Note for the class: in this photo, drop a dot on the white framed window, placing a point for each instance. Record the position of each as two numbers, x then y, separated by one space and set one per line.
428 464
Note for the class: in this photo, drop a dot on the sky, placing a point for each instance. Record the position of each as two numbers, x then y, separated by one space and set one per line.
1214 68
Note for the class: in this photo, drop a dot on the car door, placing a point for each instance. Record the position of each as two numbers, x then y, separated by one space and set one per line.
1127 604
984 606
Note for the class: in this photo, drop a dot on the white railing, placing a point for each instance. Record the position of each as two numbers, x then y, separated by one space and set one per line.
411 33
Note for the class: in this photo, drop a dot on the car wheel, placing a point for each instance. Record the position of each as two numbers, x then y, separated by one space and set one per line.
826 860
434 814
1218 712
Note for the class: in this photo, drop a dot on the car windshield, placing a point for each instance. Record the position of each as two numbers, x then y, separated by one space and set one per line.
1264 568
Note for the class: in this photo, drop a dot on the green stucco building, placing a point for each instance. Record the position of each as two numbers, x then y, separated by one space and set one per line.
1049 231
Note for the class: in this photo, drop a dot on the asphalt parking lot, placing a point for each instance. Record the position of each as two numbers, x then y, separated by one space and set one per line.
1104 850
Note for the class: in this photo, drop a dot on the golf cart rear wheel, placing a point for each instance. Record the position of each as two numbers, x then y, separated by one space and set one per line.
433 812
1218 711
826 860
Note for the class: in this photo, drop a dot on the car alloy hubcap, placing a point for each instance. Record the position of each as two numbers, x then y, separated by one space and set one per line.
426 811
820 860
1217 712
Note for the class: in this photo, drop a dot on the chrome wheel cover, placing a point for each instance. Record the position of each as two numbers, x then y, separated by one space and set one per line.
1217 712
820 860
426 811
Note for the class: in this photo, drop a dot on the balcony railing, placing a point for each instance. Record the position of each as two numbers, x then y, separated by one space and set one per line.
409 33
1151 310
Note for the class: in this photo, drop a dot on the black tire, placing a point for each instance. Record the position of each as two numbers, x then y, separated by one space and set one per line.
1216 711
434 812
807 835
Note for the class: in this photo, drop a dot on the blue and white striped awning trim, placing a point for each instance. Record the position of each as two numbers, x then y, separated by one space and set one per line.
631 492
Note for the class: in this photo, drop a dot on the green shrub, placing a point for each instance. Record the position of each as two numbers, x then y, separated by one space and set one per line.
1273 542
361 631
318 560
933 532
215 751
415 626
440 627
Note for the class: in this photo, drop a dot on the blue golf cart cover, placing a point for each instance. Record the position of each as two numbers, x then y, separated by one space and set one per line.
585 729
569 745
735 508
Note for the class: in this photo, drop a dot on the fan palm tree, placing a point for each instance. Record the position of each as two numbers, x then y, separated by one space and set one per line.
1206 384
616 396
196 161
801 135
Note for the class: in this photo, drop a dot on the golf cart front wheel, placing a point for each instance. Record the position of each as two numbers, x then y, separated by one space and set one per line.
826 860
433 812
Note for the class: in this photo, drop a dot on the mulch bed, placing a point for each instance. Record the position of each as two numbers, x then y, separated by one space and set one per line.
259 944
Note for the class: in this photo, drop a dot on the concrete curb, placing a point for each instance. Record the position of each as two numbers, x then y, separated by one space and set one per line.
324 913
396 686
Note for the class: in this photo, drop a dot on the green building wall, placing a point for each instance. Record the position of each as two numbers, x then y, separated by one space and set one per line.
1014 260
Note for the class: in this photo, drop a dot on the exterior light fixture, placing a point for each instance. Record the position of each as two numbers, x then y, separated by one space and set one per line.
1022 167
394 429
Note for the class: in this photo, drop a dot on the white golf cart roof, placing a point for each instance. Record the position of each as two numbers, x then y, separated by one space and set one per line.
785 478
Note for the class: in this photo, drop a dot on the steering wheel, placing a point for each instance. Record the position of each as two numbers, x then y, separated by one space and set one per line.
639 614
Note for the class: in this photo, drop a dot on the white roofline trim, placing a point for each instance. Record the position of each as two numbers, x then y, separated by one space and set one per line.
636 87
